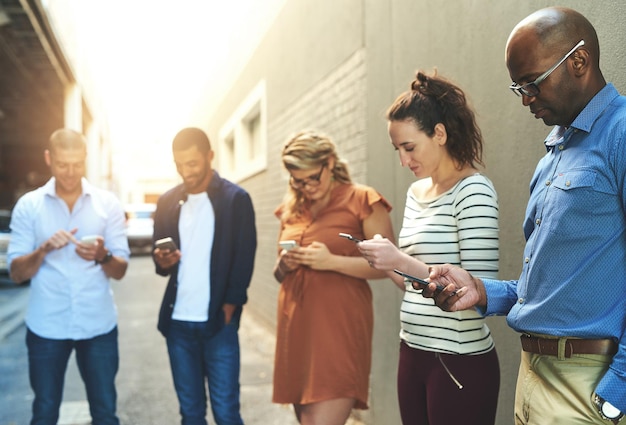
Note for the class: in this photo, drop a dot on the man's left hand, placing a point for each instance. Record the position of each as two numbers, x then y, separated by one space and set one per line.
229 310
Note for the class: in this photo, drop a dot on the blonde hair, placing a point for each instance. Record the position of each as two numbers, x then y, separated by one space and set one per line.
306 150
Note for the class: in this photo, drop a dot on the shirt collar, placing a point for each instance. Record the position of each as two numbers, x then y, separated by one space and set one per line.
584 121
50 187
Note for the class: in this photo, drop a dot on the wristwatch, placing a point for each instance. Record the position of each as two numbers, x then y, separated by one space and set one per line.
107 257
607 410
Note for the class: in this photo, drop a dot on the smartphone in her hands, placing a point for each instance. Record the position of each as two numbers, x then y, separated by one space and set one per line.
419 281
288 245
166 244
349 236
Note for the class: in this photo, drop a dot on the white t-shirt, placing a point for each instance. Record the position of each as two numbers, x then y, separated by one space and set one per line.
459 227
196 227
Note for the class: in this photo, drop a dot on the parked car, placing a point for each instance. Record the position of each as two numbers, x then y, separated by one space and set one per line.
5 237
139 224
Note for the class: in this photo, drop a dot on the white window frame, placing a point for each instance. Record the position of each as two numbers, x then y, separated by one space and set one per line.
242 149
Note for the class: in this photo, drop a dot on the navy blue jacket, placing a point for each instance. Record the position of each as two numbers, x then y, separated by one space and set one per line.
232 256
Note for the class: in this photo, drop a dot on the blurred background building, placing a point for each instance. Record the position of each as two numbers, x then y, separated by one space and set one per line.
38 94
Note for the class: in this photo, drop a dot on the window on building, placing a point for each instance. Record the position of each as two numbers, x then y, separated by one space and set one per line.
243 141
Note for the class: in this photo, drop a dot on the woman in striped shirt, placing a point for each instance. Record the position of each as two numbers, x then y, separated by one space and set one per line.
448 369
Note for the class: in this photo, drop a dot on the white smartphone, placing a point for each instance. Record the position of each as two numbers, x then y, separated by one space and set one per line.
166 243
288 245
89 239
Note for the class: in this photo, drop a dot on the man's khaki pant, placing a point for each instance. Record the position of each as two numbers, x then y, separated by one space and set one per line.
559 391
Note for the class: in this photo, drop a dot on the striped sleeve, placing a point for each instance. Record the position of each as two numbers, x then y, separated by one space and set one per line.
476 213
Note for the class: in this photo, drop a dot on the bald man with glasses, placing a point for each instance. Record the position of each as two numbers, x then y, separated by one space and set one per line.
569 301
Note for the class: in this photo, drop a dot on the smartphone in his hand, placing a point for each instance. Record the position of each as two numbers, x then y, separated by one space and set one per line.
419 281
89 239
166 244
288 245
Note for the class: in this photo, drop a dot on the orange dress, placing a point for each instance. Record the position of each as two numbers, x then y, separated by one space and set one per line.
325 319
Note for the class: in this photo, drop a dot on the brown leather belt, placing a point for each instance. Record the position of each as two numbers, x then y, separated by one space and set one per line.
550 346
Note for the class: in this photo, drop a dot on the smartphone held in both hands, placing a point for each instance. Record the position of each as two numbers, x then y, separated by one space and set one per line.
415 281
350 237
288 245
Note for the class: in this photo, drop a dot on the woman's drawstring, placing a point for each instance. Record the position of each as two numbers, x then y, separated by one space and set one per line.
458 384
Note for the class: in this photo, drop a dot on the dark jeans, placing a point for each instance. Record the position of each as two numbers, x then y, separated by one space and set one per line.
196 355
98 362
429 396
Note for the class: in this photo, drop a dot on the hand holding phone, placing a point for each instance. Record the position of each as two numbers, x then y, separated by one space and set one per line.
166 244
419 281
288 245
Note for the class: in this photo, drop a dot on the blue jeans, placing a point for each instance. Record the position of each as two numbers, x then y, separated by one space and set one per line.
97 360
196 354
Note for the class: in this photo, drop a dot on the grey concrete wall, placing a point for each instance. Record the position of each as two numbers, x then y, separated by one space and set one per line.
465 40
337 65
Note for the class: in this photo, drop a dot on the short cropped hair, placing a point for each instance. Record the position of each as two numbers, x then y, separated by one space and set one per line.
191 136
65 138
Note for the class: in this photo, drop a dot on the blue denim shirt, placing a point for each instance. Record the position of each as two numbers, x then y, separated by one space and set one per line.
573 280
234 248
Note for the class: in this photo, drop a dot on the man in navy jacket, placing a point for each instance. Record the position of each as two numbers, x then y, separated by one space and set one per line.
212 222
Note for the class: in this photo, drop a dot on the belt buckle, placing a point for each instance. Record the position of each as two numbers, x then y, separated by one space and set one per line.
530 344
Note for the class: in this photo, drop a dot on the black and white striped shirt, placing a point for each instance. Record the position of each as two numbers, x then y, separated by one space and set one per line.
459 227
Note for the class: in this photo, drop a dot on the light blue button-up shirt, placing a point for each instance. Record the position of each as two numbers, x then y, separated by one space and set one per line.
573 280
70 298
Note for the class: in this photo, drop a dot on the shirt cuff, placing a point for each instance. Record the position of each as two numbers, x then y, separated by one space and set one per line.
498 302
612 389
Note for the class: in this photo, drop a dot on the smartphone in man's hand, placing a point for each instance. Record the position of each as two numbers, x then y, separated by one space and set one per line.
166 244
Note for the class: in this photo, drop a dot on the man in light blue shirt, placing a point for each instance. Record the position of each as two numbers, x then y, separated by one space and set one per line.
569 301
68 237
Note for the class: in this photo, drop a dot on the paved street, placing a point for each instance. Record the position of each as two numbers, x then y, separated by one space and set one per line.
145 391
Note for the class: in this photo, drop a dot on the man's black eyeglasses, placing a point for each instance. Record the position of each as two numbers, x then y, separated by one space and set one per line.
312 181
532 89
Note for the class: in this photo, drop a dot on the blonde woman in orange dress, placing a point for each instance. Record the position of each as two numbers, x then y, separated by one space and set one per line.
325 312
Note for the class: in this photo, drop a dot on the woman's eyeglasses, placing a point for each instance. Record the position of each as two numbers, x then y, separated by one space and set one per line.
311 181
